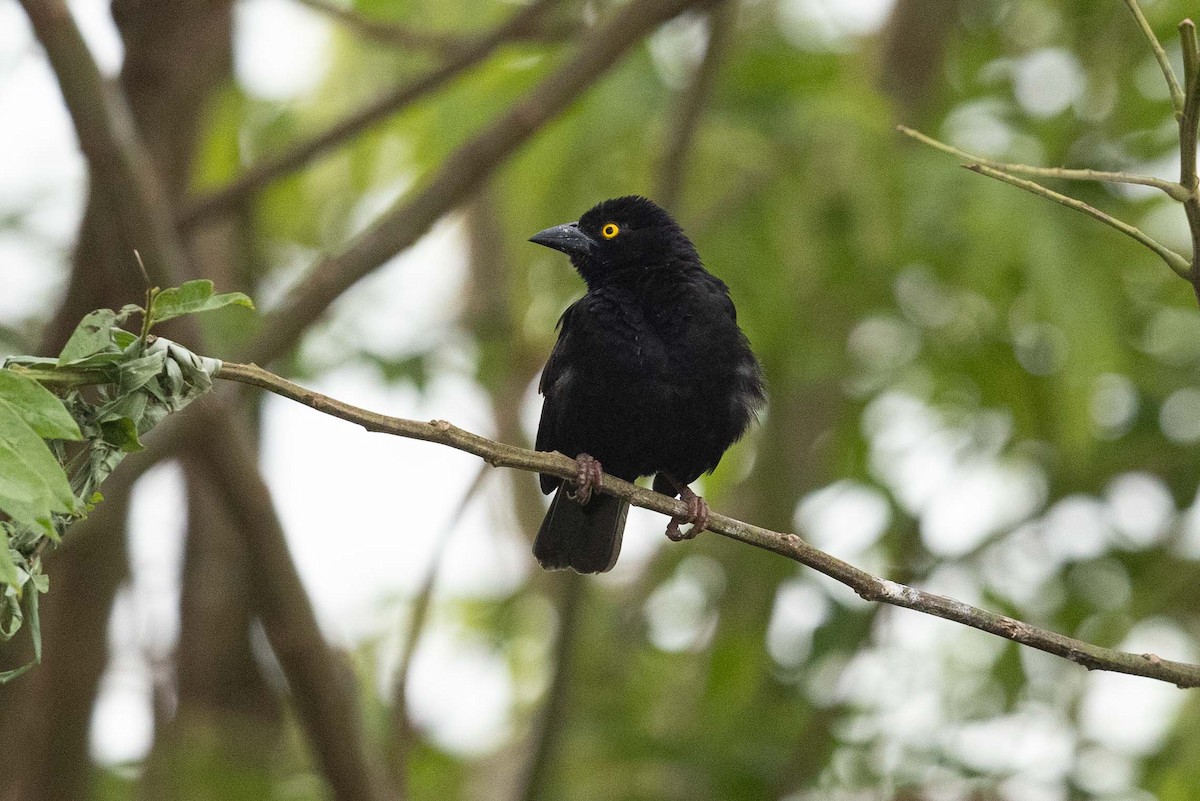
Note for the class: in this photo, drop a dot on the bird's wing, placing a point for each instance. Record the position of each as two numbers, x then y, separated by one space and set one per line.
720 293
550 387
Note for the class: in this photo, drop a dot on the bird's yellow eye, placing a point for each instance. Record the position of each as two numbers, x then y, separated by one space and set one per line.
610 230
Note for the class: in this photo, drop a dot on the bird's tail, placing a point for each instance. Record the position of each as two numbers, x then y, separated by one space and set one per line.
585 538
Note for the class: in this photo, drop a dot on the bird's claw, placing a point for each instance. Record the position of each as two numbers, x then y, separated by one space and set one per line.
589 476
697 515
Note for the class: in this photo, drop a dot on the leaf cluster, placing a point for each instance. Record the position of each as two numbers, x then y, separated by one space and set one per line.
110 387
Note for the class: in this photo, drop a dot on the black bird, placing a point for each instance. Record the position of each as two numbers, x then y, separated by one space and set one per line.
650 376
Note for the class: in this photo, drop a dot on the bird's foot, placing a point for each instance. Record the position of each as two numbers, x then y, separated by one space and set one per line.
697 515
589 476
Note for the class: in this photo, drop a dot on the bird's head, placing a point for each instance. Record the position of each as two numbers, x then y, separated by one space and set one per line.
621 237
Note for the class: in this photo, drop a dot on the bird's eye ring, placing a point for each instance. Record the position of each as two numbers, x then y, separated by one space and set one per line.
610 230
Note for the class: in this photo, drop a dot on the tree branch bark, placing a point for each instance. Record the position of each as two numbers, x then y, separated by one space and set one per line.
868 586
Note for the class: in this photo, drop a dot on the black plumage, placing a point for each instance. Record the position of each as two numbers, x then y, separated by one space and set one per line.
650 376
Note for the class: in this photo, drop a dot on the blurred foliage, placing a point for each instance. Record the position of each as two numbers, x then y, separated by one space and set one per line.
971 389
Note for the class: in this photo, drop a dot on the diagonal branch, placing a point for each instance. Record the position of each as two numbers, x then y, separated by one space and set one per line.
1177 263
401 735
1164 62
461 173
1186 104
868 586
1174 190
300 154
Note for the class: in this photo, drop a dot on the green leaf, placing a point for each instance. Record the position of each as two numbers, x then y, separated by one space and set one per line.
33 485
123 338
92 335
11 614
193 296
38 407
122 433
8 568
8 675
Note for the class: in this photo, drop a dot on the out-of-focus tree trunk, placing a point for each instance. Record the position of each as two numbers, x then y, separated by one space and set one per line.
226 724
176 54
228 719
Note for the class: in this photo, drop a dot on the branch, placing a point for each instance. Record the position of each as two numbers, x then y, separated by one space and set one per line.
869 587
400 729
1186 103
256 178
461 173
1180 265
1164 63
1189 122
1174 190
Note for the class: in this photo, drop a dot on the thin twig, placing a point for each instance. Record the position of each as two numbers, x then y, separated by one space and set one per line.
1174 190
868 586
1164 62
1177 263
299 155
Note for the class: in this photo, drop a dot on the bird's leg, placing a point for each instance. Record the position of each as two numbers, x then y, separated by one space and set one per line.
697 513
589 476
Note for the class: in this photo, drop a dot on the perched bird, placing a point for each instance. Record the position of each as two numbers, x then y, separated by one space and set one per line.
650 376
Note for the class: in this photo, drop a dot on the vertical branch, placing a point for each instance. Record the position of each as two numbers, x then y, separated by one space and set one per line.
1189 121
319 680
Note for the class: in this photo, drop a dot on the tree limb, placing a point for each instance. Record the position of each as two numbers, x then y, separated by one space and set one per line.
1164 62
868 586
546 737
1174 190
1178 264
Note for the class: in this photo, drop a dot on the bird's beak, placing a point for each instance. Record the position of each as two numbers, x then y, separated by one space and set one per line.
567 238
